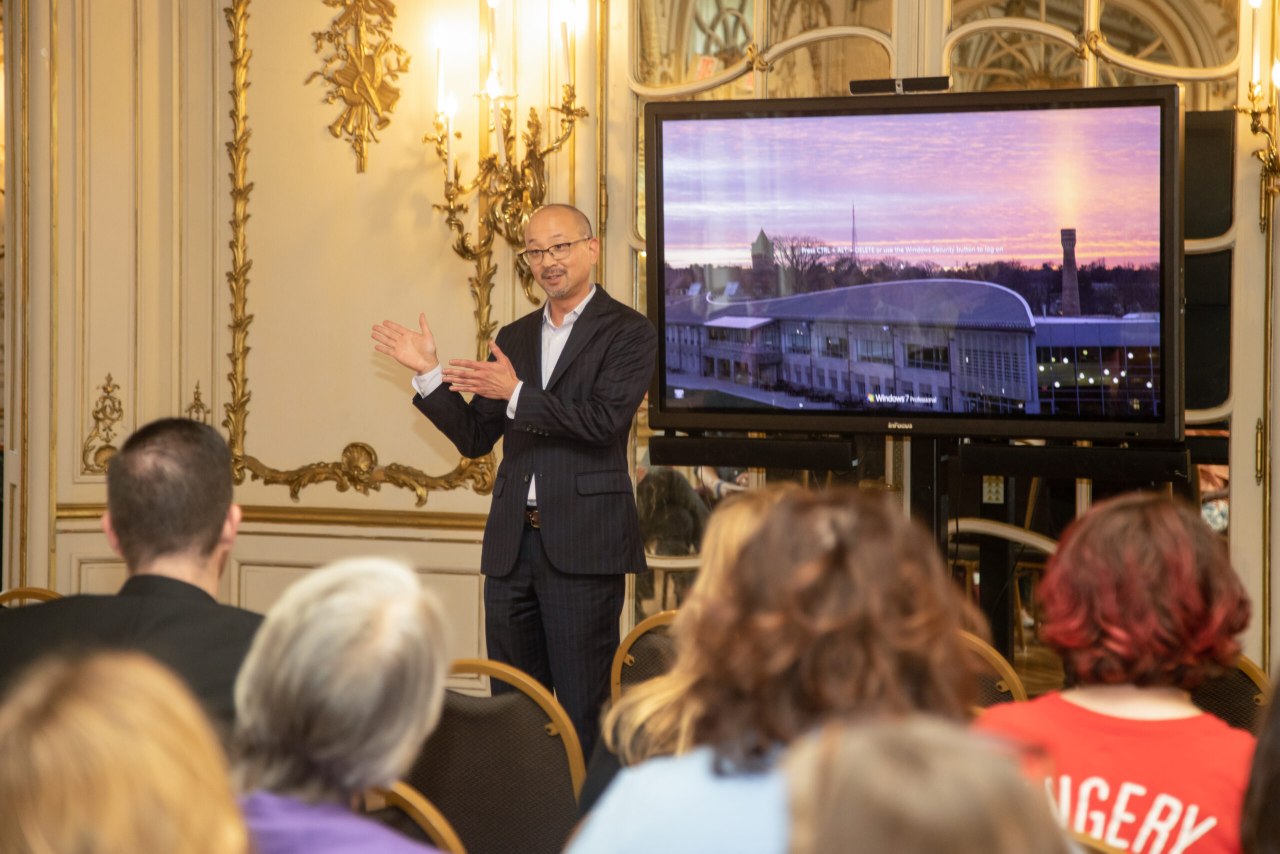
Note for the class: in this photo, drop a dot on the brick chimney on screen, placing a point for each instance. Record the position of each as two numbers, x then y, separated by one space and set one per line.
1070 278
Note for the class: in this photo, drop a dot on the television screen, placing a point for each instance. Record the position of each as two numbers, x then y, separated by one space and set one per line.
1000 264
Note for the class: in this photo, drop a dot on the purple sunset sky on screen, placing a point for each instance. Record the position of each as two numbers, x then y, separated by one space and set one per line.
952 188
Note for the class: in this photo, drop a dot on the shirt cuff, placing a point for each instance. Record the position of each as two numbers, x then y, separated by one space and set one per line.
515 397
426 383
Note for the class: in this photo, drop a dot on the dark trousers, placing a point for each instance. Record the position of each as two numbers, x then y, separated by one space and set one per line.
561 629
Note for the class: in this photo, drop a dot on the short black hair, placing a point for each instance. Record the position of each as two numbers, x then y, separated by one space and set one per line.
169 490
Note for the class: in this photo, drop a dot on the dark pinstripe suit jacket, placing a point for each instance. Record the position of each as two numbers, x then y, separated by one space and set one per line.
571 434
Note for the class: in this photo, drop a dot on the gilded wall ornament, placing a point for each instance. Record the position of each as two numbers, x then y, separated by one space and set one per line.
360 63
508 191
97 450
198 410
358 467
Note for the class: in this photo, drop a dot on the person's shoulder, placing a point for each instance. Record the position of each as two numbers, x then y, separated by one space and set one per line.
283 824
56 610
241 620
1215 729
1019 719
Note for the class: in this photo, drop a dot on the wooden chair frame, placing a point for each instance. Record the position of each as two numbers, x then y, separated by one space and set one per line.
36 594
412 803
560 724
622 656
1248 667
998 663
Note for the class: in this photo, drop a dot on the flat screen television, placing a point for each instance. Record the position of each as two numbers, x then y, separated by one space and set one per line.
981 264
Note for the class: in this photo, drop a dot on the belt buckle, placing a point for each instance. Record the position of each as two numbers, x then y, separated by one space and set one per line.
531 517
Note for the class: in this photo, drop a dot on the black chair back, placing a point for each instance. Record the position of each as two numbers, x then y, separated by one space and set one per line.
502 770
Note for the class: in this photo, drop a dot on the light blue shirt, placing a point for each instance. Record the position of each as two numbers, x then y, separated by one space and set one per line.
678 804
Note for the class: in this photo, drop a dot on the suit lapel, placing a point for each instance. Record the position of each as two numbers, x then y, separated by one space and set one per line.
584 329
527 355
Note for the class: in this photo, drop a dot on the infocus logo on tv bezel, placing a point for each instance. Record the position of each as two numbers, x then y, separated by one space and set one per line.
901 425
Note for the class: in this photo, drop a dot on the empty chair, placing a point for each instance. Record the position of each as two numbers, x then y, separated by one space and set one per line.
647 651
506 769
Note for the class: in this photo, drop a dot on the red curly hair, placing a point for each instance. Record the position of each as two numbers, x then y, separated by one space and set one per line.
1141 591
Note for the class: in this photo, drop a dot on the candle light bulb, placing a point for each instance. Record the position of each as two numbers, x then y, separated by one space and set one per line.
1255 78
493 86
450 107
1257 4
1275 73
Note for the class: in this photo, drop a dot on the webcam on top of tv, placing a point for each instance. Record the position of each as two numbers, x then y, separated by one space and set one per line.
899 85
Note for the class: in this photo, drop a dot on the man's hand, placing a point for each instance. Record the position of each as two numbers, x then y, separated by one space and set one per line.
495 380
415 350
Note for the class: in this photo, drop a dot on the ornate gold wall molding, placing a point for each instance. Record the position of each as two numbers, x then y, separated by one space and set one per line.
360 63
198 410
97 449
358 467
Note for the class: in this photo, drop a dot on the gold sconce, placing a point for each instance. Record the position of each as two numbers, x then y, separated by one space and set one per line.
1261 111
511 173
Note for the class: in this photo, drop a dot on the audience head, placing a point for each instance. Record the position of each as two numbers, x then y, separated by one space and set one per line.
735 519
343 683
169 494
654 717
1141 591
111 755
838 605
914 786
1260 824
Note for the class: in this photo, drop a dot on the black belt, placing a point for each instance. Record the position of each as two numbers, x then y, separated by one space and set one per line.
531 517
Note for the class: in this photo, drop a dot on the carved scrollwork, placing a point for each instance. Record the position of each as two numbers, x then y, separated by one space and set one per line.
359 66
358 469
97 449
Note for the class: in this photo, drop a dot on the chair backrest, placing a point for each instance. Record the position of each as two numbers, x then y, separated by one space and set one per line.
403 800
505 769
1238 696
997 680
1091 844
23 595
647 651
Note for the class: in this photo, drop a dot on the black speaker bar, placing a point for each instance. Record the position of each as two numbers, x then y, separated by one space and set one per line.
812 454
1155 464
899 85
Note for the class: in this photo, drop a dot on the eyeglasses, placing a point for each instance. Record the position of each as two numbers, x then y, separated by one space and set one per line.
557 251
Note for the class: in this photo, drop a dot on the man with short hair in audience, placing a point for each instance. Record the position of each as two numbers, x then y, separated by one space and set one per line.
170 516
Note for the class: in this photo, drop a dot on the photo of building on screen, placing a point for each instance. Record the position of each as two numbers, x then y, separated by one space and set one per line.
809 326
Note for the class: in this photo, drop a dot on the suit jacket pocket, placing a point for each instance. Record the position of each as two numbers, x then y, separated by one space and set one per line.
598 482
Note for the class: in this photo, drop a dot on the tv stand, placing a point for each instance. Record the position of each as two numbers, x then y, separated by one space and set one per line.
824 453
962 470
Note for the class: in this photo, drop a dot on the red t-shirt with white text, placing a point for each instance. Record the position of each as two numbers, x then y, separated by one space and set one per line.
1154 787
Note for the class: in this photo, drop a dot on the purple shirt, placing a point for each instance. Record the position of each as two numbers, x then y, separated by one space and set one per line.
281 825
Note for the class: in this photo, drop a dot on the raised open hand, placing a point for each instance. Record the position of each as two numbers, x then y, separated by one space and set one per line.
496 380
416 350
